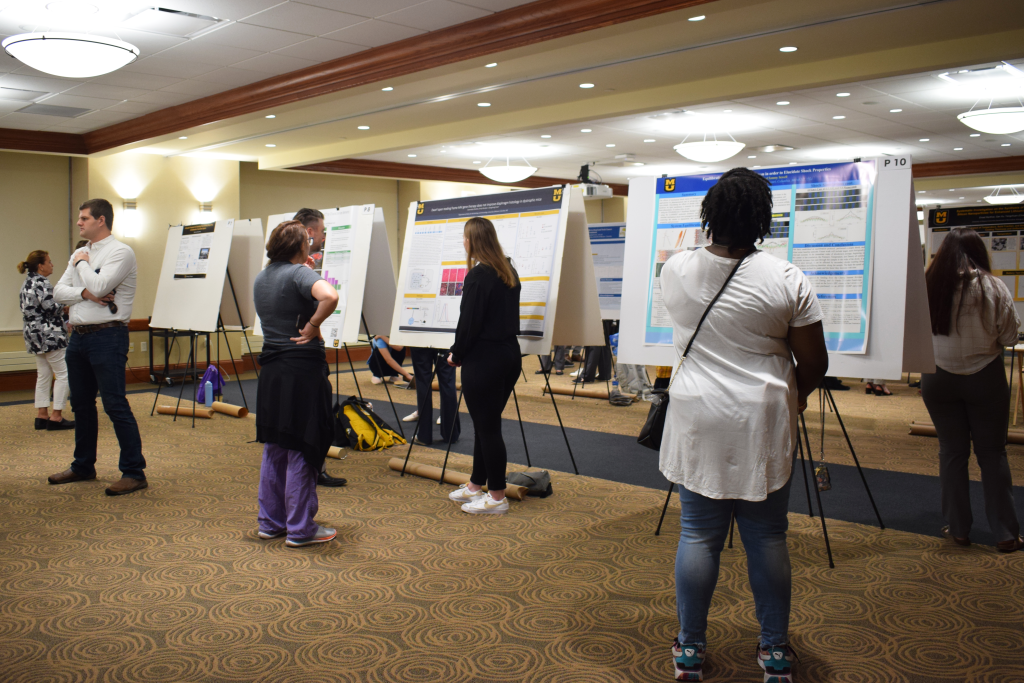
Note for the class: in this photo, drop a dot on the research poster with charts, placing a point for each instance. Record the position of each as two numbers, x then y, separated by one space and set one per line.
1001 228
194 251
527 224
822 221
336 266
608 244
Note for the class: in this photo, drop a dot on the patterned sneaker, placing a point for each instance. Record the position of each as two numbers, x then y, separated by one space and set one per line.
689 661
266 535
777 663
464 495
322 535
485 505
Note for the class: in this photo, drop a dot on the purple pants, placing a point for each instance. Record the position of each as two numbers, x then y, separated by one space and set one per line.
287 493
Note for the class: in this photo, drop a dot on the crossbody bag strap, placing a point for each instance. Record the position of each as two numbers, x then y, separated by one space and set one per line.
706 311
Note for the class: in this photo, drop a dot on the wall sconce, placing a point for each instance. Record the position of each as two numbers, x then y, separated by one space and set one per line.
205 211
130 218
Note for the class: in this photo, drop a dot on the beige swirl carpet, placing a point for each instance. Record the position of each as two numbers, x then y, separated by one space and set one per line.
172 584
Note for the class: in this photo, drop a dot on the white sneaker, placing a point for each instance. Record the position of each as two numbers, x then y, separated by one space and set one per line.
412 417
464 495
376 380
438 419
485 505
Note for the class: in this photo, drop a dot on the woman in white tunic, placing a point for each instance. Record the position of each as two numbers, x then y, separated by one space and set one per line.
730 432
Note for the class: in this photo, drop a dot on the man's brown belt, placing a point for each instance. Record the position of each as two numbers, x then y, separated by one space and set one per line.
86 329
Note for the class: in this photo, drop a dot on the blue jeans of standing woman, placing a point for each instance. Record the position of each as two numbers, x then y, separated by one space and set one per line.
762 526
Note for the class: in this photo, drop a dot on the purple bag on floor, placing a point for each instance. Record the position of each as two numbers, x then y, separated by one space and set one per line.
212 375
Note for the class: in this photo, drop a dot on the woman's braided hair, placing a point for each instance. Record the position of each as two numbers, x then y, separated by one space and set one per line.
738 208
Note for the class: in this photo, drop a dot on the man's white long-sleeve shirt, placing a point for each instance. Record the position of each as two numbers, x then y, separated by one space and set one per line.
111 267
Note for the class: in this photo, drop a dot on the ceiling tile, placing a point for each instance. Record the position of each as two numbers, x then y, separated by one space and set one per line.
435 14
196 88
365 8
78 101
274 63
136 108
169 66
29 121
98 119
320 50
199 50
493 5
162 97
374 33
247 36
222 9
308 19
111 92
135 80
7 106
34 82
233 77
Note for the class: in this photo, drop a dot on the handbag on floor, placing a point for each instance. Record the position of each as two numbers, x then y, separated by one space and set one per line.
654 427
536 483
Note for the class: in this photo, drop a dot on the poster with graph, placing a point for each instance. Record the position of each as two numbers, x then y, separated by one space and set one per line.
821 222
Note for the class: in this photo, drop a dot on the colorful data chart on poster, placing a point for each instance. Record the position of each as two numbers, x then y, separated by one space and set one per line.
336 267
821 222
527 224
608 245
1001 228
194 251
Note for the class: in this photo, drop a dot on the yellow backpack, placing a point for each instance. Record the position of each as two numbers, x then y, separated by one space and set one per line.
363 428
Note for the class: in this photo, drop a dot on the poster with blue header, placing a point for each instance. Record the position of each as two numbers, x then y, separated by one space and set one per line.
822 221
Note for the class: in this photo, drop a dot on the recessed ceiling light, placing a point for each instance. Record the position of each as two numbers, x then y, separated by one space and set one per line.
477 162
650 140
491 65
895 111
444 151
412 156
585 130
270 116
697 18
959 197
363 127
958 149
787 49
183 137
757 167
483 104
975 135
614 145
586 86
842 94
838 118
545 136
782 103
792 163
387 89
727 111
924 139
271 145
920 191
752 157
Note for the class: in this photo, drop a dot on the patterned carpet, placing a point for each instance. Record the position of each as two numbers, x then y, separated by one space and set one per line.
172 584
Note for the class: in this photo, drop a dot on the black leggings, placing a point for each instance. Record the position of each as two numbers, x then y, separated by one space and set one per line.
489 372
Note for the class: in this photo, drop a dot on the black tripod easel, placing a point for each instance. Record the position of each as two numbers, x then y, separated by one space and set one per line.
192 362
547 383
369 336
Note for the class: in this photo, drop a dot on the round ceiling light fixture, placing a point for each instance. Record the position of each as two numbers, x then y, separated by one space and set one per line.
1000 121
70 55
507 173
709 151
1013 198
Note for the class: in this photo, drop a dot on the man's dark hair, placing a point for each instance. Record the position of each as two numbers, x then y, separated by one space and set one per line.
100 207
738 208
308 216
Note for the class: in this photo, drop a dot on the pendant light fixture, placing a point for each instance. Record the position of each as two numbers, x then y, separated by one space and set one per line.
709 151
508 173
70 55
1000 121
995 120
1013 198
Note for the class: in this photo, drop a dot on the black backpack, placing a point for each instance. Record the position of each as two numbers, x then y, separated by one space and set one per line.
536 483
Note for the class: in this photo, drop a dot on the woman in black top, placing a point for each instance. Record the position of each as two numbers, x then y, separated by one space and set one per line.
487 348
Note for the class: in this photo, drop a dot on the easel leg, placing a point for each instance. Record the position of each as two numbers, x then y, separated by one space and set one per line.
803 468
181 392
832 402
817 495
195 373
353 369
664 509
444 467
547 381
732 524
521 430
412 439
234 365
398 421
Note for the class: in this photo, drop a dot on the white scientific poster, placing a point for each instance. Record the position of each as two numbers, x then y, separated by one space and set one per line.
822 221
339 232
194 251
527 224
608 243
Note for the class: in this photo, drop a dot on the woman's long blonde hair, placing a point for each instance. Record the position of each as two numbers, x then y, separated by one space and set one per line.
484 247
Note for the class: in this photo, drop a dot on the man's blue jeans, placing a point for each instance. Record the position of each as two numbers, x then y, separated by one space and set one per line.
762 526
96 363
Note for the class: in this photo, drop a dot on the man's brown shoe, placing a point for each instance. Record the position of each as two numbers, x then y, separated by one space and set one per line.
126 485
67 476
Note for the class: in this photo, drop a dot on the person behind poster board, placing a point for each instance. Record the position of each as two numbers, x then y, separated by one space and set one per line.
427 363
973 318
293 400
730 432
386 360
99 287
487 347
313 221
45 338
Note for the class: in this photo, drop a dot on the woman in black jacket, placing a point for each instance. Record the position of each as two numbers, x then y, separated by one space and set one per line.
487 348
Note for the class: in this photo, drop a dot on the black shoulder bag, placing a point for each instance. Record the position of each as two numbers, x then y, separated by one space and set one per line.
650 433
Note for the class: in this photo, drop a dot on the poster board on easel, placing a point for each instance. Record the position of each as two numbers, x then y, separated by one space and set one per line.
893 277
545 233
244 262
188 294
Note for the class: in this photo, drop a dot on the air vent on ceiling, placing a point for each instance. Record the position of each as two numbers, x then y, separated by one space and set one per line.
53 110
20 94
173 22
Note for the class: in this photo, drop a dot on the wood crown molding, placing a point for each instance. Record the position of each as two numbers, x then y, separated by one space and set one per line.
969 167
42 141
388 169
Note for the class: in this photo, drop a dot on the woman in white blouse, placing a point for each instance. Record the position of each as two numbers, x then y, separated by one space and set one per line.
973 318
730 432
